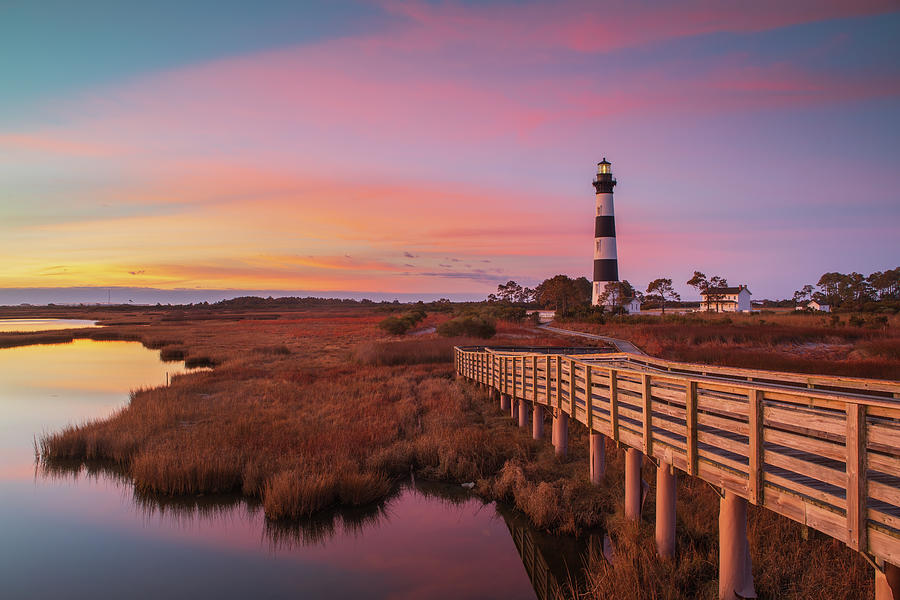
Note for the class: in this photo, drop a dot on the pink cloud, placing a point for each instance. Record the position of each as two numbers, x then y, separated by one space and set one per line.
587 26
320 104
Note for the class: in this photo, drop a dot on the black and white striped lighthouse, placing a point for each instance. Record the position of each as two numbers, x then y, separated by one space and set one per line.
606 266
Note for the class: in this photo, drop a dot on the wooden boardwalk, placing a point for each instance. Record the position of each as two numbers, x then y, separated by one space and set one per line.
823 451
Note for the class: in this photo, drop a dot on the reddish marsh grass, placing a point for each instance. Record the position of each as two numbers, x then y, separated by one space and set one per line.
778 342
408 352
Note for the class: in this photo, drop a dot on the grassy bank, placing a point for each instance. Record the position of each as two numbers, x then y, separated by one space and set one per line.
317 409
800 343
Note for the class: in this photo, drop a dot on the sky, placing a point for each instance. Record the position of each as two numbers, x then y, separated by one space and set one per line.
428 149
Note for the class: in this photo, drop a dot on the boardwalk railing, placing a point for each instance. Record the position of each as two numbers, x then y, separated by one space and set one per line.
823 451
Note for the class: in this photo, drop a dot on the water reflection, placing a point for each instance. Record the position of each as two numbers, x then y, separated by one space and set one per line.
46 387
25 325
101 537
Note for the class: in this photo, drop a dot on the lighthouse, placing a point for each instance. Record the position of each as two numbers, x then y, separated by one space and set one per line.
606 266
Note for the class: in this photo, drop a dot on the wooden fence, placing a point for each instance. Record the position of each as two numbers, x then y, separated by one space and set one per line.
823 451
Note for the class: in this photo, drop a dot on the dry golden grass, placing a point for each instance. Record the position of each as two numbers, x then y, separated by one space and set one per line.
408 352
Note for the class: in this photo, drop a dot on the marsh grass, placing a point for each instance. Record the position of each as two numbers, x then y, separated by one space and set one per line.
777 342
15 339
407 352
171 354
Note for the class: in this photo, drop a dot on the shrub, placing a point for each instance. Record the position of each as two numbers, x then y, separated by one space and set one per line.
400 325
467 325
395 325
588 314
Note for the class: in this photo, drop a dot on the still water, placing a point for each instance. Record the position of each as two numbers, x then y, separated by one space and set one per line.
87 533
23 325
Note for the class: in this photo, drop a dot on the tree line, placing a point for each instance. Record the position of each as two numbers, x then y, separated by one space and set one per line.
853 290
564 294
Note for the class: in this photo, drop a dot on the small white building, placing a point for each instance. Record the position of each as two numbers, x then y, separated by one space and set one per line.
726 299
813 305
632 306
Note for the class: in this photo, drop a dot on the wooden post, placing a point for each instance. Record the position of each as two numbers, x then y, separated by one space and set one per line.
857 488
613 406
633 487
755 485
572 388
520 379
588 398
547 381
537 421
887 582
648 414
506 375
534 395
561 433
691 420
598 457
735 567
665 509
513 379
558 382
495 370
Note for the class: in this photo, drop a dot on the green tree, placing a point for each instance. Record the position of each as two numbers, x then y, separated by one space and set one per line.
709 286
616 294
885 284
701 284
829 284
509 291
803 294
583 288
559 292
662 287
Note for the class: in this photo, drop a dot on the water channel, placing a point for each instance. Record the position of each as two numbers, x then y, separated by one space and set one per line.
85 533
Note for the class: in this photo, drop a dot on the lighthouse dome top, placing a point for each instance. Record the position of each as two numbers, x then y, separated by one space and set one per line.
603 167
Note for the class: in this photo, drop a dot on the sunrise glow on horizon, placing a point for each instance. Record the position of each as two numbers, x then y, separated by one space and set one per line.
445 147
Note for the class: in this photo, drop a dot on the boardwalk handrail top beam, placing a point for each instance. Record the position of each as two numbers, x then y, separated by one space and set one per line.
858 384
762 382
849 390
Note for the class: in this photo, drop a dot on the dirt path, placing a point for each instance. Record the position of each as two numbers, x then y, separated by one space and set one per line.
620 345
